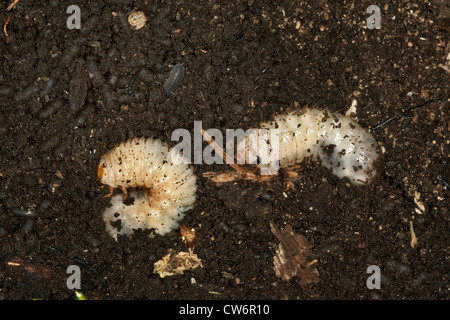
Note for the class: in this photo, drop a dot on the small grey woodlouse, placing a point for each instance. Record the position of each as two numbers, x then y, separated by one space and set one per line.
165 190
175 78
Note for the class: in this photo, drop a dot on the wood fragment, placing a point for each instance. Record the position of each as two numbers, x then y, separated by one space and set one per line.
294 257
413 235
225 156
12 5
36 269
240 172
4 27
171 265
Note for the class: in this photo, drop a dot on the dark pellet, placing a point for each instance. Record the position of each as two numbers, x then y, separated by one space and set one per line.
90 24
50 109
112 52
174 79
112 79
123 23
78 87
223 226
210 74
131 96
91 240
26 93
42 207
69 55
146 75
83 115
5 90
134 63
47 87
32 243
97 79
123 81
50 144
108 97
23 212
2 122
27 226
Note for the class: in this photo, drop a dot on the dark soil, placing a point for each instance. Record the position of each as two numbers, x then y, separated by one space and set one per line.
68 96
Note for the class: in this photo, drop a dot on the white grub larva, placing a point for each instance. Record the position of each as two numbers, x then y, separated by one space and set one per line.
340 143
165 191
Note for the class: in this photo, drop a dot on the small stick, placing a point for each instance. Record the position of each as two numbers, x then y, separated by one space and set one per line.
241 173
4 27
228 159
383 123
12 5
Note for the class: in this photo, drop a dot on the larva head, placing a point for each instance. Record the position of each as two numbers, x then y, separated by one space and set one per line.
350 151
101 171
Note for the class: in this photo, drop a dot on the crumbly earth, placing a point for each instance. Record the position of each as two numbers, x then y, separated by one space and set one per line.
67 96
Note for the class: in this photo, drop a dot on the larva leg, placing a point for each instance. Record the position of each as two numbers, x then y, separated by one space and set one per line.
111 192
125 193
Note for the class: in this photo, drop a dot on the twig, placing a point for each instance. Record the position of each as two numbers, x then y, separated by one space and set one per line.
228 159
383 123
12 5
4 27
240 174
243 173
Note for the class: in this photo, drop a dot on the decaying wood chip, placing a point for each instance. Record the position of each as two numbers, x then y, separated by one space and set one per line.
294 257
171 265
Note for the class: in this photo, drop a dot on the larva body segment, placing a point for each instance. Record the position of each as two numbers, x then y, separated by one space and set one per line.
340 143
166 190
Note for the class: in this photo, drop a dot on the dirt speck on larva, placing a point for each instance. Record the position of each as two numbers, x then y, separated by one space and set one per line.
68 96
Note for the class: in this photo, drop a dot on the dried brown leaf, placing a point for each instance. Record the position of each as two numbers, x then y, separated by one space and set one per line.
294 257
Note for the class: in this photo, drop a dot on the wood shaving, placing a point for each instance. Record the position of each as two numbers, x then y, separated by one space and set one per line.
172 265
294 257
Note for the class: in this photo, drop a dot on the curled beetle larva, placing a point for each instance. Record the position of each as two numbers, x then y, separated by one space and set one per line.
165 190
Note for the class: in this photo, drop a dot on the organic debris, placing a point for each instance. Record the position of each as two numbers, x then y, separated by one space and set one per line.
189 238
413 235
294 257
172 265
